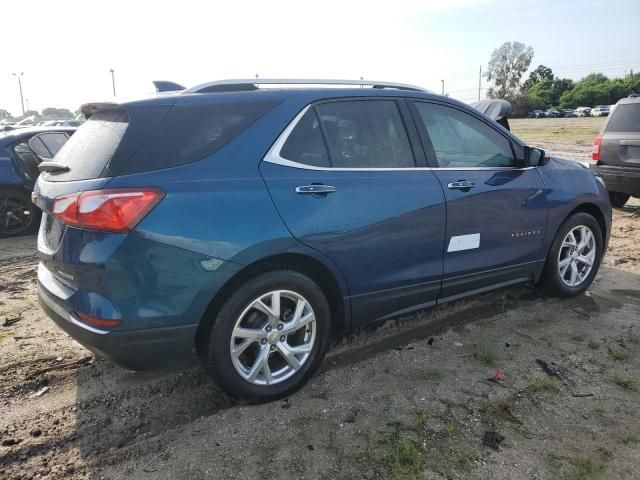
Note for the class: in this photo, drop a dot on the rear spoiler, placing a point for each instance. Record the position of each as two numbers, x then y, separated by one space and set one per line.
166 86
89 109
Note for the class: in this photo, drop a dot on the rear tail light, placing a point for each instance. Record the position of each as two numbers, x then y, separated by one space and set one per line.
117 210
98 322
597 144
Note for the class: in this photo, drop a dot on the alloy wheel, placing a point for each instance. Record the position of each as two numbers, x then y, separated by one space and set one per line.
577 256
273 337
16 214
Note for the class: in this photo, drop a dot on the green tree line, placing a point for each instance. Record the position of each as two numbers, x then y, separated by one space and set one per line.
543 90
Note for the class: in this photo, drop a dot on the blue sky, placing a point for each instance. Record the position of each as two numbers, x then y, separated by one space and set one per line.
410 41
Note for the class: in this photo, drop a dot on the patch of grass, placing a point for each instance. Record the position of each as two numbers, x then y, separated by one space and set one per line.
594 344
588 467
461 455
629 439
434 374
503 411
4 335
421 417
619 355
579 338
404 456
485 356
449 428
541 384
306 420
624 382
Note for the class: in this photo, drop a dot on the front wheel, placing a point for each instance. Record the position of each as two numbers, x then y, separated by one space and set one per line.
269 336
618 199
574 256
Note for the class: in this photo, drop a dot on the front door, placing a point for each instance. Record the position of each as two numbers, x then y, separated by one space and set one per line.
496 212
345 182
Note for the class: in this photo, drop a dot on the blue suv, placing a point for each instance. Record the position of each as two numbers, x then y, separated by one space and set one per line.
246 226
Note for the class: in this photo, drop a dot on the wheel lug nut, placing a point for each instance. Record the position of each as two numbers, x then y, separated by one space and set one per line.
280 326
273 347
268 329
263 341
282 338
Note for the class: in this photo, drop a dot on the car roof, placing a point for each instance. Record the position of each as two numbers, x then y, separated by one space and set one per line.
627 100
11 136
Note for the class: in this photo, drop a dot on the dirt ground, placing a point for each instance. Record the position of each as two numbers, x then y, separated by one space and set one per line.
411 399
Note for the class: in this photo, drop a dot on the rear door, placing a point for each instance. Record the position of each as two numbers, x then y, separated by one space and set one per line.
344 178
496 212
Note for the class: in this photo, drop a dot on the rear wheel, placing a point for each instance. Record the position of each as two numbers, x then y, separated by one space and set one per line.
18 216
618 199
269 336
574 256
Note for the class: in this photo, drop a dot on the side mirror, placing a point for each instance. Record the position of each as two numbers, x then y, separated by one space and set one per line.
533 157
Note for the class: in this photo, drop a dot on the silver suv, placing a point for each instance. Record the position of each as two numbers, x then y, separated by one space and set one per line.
616 151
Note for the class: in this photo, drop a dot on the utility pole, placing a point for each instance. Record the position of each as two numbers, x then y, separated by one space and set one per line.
20 86
113 81
479 82
442 86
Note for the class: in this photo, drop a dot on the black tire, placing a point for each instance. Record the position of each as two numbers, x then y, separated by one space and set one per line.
618 199
217 360
18 216
551 281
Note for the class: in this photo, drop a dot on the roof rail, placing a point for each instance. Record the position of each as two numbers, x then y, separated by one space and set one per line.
252 84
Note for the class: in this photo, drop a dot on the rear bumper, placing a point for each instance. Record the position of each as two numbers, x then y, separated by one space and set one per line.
620 179
149 349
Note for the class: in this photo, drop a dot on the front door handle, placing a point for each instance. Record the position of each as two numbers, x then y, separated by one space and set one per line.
315 189
463 185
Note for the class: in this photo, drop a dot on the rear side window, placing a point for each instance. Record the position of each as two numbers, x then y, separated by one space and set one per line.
191 132
365 134
305 144
461 140
53 143
91 147
625 118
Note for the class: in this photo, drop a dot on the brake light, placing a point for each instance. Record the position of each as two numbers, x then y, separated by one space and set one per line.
117 210
597 144
98 322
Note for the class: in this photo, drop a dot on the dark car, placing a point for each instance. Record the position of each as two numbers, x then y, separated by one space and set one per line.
616 151
21 151
251 225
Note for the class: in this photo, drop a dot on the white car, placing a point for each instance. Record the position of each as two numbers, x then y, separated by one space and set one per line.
600 111
582 112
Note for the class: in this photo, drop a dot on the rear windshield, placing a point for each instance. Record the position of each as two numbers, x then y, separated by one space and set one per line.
89 150
625 118
151 138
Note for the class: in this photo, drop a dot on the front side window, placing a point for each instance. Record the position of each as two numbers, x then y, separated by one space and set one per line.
463 141
365 134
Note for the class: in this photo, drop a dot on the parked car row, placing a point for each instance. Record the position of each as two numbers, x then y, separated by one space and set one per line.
6 125
597 111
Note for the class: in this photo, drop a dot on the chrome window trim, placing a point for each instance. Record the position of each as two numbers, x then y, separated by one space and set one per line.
273 156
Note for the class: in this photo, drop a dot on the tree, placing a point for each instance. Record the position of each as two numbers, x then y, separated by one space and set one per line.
547 92
31 113
4 114
541 72
506 67
57 112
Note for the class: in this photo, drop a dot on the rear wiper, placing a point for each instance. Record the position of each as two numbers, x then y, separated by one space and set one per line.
52 167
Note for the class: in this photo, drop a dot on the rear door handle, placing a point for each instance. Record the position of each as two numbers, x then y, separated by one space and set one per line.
318 189
464 185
